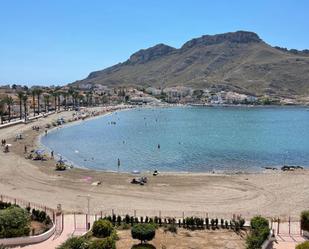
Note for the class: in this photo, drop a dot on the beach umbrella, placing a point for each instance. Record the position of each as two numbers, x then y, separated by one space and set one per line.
39 152
61 161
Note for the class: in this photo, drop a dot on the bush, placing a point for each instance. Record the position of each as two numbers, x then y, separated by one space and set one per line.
304 220
102 228
5 205
75 243
14 222
107 243
40 216
259 232
143 232
143 246
304 245
171 228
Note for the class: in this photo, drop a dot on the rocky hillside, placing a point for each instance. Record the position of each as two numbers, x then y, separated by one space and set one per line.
239 61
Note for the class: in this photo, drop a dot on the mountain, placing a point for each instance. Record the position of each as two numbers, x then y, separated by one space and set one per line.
239 61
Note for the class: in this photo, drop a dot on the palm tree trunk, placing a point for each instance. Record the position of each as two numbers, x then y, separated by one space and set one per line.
20 109
58 102
33 104
9 107
38 104
25 110
65 102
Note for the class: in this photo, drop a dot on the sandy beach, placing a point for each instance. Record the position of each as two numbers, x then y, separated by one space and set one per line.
272 193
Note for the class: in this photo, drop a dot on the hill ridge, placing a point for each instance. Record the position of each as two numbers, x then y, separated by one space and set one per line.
238 60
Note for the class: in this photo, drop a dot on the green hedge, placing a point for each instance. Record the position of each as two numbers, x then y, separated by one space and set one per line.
143 246
304 220
259 232
75 243
107 243
85 243
304 245
14 222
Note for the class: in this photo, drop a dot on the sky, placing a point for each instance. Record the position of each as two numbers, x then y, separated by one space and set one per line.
44 42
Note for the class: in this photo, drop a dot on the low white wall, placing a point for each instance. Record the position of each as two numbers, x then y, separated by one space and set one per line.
306 234
268 244
20 241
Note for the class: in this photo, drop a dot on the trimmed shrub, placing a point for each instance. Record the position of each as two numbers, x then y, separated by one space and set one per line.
304 245
102 228
226 224
143 232
171 228
75 243
143 246
127 219
118 220
242 222
14 222
259 232
107 243
4 205
304 220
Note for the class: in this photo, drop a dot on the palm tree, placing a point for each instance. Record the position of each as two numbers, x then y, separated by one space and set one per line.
46 101
75 96
55 95
9 101
33 93
39 93
2 105
71 92
87 98
64 95
25 100
20 96
90 98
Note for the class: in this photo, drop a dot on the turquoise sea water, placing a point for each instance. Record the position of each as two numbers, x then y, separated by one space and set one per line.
194 139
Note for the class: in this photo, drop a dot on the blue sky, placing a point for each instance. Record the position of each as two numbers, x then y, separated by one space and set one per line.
60 41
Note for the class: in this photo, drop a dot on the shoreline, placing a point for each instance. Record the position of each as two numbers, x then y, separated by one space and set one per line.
171 193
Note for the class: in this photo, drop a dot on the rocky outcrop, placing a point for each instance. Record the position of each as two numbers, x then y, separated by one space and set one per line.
145 55
233 37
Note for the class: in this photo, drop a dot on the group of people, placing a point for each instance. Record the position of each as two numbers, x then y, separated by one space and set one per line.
5 145
3 142
36 128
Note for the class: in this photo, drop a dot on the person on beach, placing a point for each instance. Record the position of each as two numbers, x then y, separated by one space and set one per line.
118 164
52 154
25 149
6 149
45 132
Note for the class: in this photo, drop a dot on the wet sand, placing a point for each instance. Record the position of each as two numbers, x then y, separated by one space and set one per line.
272 193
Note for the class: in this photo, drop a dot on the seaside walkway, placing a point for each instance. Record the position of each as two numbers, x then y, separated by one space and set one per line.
59 237
288 236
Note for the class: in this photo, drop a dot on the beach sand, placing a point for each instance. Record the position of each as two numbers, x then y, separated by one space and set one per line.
272 193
